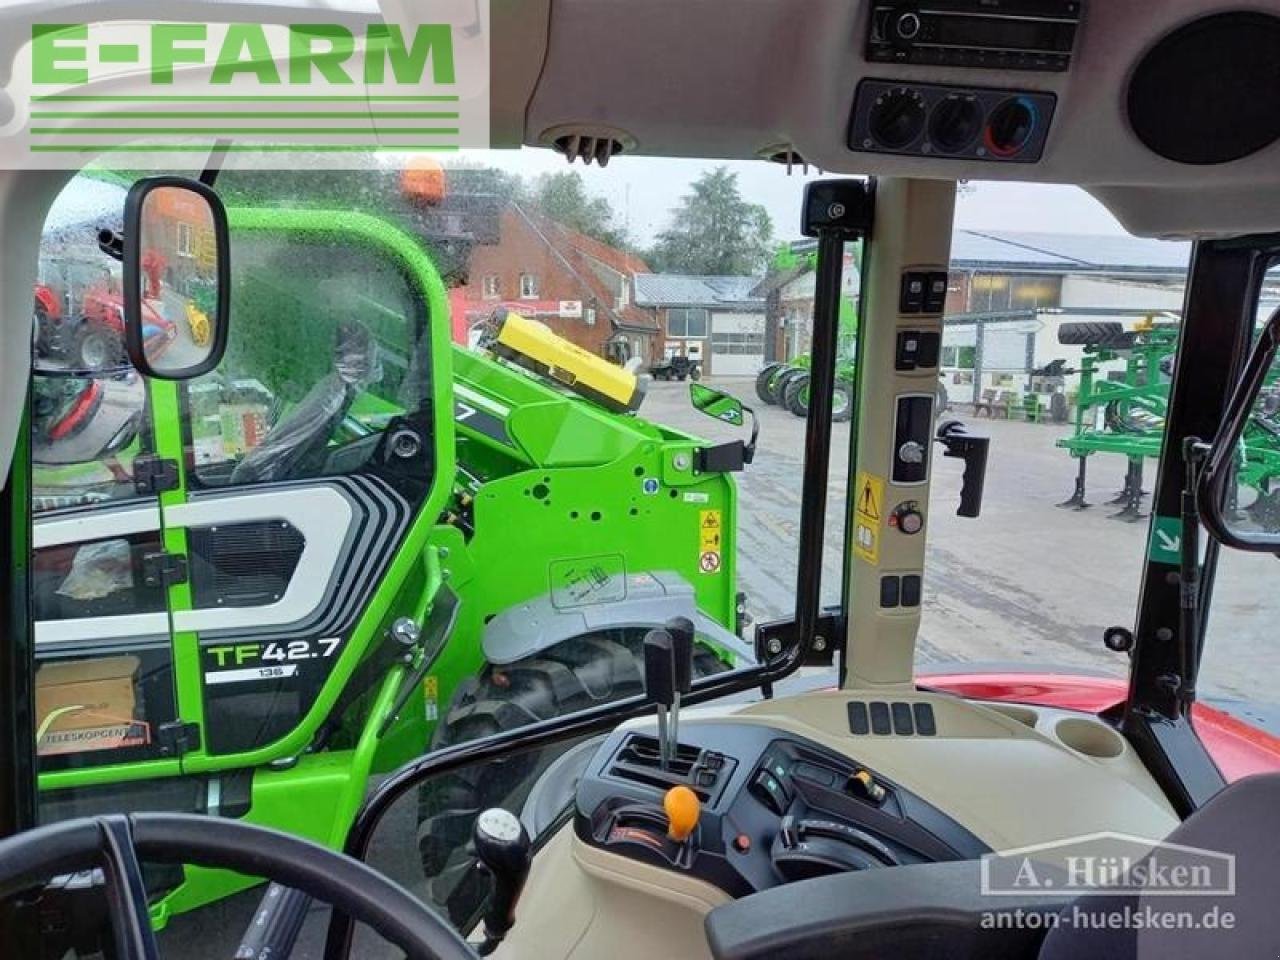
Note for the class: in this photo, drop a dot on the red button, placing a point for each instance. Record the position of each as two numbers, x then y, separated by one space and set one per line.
742 843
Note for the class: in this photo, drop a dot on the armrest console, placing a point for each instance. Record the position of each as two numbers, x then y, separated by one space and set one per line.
929 910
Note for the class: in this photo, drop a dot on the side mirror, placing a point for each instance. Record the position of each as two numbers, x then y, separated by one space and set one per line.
1246 435
177 276
715 403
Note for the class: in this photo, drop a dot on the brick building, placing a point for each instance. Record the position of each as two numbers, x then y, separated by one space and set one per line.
581 288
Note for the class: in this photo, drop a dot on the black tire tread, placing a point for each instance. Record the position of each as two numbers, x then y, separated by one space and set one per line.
1095 333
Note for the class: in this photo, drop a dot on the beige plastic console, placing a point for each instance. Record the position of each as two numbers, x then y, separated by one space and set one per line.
912 232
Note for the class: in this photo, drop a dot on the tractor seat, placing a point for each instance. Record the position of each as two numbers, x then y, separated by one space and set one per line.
296 445
937 911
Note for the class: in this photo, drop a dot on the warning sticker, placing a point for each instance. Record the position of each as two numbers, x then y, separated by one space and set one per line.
870 497
431 697
868 514
709 540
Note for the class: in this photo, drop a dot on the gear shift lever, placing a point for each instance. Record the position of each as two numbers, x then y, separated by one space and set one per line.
503 847
681 630
660 683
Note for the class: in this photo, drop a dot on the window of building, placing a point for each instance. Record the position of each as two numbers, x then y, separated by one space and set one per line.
958 358
738 342
184 239
682 322
491 287
528 286
589 316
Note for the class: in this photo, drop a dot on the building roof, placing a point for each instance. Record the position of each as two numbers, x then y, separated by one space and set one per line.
1040 252
1067 252
685 290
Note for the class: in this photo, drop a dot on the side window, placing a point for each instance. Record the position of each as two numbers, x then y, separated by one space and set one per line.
86 435
90 418
104 669
327 353
104 676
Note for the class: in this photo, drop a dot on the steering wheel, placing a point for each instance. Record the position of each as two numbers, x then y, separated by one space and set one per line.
118 843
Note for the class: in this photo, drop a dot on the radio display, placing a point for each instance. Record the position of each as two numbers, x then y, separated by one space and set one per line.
998 33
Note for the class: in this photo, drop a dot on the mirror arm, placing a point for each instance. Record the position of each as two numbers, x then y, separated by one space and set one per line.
111 243
749 451
1216 473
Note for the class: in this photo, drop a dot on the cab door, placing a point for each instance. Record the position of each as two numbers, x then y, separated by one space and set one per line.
304 463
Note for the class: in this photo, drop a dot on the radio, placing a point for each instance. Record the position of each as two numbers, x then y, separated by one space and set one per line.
995 34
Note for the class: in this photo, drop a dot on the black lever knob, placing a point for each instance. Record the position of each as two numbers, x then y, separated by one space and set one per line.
681 631
502 844
659 668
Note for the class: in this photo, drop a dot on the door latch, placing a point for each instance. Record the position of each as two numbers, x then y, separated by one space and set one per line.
163 569
154 474
177 738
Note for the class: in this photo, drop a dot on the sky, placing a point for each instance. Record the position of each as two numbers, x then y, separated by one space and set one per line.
644 191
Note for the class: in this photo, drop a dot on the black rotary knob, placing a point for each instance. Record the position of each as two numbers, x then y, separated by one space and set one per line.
897 118
907 25
954 123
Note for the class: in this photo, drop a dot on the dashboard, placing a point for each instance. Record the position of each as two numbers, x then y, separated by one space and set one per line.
830 782
774 808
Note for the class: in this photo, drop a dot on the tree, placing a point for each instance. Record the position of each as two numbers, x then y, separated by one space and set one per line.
714 231
563 198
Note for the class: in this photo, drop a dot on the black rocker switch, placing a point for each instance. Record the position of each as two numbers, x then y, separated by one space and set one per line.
973 451
504 849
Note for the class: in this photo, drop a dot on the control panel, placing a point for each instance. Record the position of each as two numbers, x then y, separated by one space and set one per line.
932 120
770 808
992 34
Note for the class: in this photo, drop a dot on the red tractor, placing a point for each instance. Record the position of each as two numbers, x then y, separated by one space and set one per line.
79 317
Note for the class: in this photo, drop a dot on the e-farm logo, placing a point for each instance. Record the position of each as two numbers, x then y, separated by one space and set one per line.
299 88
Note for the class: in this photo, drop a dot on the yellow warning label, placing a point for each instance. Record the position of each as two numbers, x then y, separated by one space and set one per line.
869 512
870 497
431 694
709 540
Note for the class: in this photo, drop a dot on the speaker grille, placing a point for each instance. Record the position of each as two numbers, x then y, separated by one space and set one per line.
1210 91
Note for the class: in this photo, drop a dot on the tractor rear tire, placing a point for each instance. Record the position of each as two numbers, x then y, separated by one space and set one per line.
97 348
797 399
763 379
778 386
571 676
1105 333
796 395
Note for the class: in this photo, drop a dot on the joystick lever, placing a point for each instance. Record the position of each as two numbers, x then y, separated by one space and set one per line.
660 684
681 631
503 847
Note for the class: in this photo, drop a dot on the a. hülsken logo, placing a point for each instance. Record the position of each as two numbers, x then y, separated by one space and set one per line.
1107 864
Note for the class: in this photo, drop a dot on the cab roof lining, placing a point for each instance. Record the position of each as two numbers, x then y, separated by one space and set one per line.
730 78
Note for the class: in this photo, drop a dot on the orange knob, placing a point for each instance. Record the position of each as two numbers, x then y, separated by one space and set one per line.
683 809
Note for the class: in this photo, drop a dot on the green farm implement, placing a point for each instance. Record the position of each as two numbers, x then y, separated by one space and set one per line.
1121 408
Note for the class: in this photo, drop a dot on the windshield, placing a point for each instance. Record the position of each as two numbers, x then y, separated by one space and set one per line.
449 475
455 395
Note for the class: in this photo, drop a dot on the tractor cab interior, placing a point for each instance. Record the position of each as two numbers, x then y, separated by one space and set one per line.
358 602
